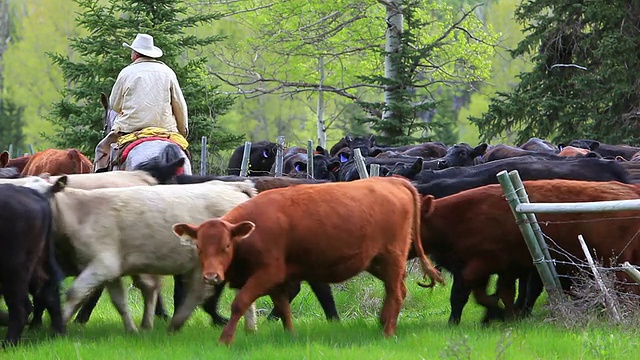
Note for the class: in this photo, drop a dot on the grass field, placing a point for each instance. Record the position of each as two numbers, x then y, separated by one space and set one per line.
422 333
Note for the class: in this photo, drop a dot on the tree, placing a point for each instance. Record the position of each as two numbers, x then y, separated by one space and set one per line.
584 81
11 122
290 38
77 117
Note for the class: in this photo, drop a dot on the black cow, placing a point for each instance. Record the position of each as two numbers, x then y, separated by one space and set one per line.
9 173
27 259
454 180
502 151
294 164
410 171
606 150
539 145
461 155
427 150
343 149
349 171
261 159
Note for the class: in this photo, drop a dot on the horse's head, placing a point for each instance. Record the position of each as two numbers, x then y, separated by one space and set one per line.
108 116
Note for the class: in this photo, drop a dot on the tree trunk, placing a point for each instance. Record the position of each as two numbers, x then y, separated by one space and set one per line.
322 130
393 33
4 37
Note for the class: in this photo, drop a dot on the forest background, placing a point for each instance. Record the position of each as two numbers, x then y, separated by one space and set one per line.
31 83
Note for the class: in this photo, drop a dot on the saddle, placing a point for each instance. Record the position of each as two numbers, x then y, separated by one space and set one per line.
126 142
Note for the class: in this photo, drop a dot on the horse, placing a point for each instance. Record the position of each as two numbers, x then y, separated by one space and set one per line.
142 151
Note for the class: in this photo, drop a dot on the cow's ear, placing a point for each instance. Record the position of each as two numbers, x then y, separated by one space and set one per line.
479 150
59 185
594 145
372 139
242 230
348 139
427 205
4 159
417 165
187 233
322 151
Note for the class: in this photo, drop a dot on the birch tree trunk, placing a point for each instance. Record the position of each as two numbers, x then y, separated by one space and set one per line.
322 129
394 19
4 38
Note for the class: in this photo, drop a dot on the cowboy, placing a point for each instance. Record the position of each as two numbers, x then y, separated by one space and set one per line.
146 94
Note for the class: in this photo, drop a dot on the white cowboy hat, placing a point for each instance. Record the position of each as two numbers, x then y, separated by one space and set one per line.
143 44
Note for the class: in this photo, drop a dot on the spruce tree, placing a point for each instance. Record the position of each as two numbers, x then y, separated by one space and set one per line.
585 80
11 123
99 57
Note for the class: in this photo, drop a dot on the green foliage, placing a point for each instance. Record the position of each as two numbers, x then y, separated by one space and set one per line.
595 96
414 91
11 122
31 81
77 117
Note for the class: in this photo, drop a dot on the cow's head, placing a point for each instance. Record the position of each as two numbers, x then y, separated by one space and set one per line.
461 155
215 240
409 171
364 143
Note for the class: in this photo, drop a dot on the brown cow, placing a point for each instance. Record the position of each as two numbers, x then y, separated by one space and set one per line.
361 225
19 163
571 151
474 234
58 162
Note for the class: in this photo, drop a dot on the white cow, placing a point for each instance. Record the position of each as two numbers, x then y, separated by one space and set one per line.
126 231
95 180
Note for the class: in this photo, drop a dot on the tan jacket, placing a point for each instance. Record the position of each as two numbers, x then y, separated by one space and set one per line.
147 93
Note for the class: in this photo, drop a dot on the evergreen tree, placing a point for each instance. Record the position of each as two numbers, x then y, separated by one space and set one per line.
77 118
11 122
585 80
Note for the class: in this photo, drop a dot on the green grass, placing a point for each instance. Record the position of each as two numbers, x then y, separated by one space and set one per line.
422 333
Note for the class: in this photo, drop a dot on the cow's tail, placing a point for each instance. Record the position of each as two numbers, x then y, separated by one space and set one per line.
54 271
427 266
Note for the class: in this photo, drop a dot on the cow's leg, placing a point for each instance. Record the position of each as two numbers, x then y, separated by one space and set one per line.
325 297
506 291
391 270
194 296
178 292
118 294
534 289
16 293
210 305
280 297
90 279
259 283
87 308
293 289
458 298
149 285
49 296
250 318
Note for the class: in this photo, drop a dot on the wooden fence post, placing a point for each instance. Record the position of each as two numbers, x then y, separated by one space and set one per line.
527 233
631 271
279 156
203 156
360 164
244 167
608 300
310 159
10 151
31 149
533 221
375 169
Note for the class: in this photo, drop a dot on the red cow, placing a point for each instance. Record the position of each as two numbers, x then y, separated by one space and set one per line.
58 162
19 163
270 240
474 234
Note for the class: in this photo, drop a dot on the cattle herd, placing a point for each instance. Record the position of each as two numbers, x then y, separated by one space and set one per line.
263 235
